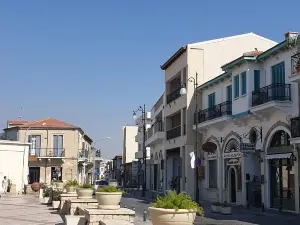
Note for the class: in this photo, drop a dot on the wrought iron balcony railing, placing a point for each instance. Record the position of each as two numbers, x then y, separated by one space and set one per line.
173 95
222 109
295 64
272 92
174 132
47 152
295 127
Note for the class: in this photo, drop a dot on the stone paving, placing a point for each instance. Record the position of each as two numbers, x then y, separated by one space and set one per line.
26 210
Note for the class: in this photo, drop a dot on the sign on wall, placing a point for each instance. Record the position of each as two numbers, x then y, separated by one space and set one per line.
201 173
247 147
233 162
209 147
232 155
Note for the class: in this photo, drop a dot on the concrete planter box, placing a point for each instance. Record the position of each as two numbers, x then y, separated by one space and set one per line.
55 204
216 208
59 185
226 210
46 200
170 216
84 193
109 200
75 220
71 190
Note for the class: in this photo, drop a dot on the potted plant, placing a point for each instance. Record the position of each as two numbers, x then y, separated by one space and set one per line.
71 186
216 207
55 199
173 207
85 191
59 184
225 208
46 197
109 197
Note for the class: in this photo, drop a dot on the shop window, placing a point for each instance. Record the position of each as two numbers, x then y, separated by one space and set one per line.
213 174
56 173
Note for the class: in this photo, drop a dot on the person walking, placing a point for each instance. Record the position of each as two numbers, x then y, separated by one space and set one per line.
4 185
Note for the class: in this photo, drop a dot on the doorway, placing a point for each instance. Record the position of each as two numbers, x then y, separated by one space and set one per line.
232 185
34 174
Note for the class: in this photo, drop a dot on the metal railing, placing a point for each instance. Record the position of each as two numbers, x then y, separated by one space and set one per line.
174 132
84 154
272 92
157 127
222 109
47 152
173 95
295 64
295 127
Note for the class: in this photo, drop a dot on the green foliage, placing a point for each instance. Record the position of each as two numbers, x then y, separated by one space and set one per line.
57 181
43 186
87 186
47 192
174 183
71 183
109 189
225 204
55 195
175 201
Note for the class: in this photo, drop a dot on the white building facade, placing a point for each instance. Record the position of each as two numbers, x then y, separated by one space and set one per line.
245 123
205 59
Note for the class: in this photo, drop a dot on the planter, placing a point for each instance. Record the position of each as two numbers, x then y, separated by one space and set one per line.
55 204
84 193
226 210
71 190
59 185
41 193
108 200
35 186
46 200
170 216
216 208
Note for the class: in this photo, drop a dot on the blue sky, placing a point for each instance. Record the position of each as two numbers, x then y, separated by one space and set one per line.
91 63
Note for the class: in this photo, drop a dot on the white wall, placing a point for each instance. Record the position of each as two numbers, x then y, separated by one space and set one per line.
14 162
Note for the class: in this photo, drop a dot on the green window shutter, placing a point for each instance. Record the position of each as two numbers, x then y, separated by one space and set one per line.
244 83
256 79
229 93
211 100
236 86
278 73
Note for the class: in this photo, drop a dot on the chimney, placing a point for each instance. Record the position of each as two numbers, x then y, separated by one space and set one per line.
288 35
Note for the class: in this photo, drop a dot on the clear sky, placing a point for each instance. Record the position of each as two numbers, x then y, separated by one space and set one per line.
90 63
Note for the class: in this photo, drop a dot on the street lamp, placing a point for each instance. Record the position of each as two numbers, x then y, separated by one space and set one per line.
143 111
183 91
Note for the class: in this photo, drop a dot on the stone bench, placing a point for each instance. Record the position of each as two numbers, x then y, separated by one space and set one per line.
73 204
63 204
75 220
115 222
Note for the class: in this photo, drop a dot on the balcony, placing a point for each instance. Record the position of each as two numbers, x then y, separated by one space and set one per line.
295 130
155 134
47 152
295 68
173 95
139 137
274 96
84 156
217 115
174 132
139 154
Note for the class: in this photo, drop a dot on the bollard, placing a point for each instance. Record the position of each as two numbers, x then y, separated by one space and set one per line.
145 215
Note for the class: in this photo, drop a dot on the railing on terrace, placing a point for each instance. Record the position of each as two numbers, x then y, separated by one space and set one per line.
295 127
173 95
174 132
222 109
272 92
47 152
295 64
157 127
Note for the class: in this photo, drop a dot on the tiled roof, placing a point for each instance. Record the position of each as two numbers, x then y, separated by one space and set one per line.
16 122
253 53
45 123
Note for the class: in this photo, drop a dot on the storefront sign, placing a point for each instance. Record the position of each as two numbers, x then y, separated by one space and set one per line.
233 162
247 147
212 157
209 147
201 173
232 155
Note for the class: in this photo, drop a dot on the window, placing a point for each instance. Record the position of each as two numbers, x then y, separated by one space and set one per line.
278 73
57 145
256 79
56 173
211 101
244 83
213 174
35 147
236 86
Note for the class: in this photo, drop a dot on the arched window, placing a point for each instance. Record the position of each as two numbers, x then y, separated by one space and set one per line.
280 138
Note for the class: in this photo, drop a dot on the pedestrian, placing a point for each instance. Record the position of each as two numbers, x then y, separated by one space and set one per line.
4 185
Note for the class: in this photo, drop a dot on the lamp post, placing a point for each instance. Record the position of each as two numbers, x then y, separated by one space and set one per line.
183 91
143 111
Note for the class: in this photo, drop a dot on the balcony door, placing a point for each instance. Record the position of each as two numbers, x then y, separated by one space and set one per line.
35 147
229 98
57 145
278 81
211 106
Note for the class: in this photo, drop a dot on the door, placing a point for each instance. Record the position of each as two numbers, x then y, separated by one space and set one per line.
155 176
211 106
229 98
35 147
278 81
34 174
232 186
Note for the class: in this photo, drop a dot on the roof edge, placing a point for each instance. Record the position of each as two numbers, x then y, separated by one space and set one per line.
173 58
214 80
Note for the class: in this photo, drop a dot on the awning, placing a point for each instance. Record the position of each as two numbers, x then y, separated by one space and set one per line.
279 156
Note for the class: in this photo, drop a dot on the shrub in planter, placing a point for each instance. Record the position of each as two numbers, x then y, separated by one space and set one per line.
56 199
174 208
216 207
71 186
85 191
47 198
226 208
109 197
58 183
